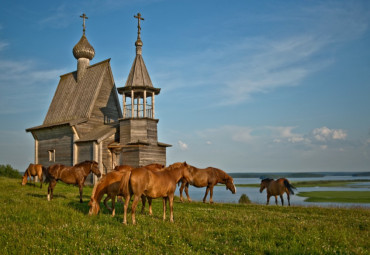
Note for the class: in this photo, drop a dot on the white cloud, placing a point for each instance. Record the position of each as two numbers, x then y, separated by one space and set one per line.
183 146
281 134
324 134
208 142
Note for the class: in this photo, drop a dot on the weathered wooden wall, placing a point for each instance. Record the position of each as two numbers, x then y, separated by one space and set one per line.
58 138
132 130
141 155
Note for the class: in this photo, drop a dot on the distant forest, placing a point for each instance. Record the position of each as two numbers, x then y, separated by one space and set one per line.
297 175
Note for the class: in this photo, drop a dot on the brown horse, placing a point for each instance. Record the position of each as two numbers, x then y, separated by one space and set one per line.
153 185
76 174
110 185
207 177
33 170
277 188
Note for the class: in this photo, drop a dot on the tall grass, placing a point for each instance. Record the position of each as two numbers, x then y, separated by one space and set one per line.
29 224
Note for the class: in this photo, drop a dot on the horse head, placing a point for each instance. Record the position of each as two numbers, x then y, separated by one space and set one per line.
95 168
24 179
187 172
94 207
264 184
230 185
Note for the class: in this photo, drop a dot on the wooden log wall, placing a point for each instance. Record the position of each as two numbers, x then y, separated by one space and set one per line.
59 139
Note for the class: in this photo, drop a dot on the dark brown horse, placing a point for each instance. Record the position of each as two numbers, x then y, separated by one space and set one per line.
277 188
110 185
71 175
207 177
153 185
34 170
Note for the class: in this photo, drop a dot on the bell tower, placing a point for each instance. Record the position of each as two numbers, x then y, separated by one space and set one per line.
138 127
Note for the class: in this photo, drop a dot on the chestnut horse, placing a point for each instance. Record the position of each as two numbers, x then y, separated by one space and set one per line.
207 177
110 185
277 188
153 185
76 174
34 170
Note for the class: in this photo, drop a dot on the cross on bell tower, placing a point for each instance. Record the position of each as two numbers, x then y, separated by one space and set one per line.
138 127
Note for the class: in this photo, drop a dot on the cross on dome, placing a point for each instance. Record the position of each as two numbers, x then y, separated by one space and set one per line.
83 16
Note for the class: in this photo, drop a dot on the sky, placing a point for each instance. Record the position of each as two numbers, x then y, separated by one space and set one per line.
246 86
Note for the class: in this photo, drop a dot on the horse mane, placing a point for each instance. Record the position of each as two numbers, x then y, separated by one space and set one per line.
220 173
97 184
174 166
267 180
86 162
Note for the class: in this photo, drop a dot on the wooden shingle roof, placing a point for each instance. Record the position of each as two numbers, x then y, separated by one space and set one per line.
74 100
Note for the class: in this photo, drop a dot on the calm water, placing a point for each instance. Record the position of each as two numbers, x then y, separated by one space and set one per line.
221 195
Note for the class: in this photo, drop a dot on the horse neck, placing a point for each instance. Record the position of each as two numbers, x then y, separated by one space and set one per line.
176 173
221 175
98 192
87 169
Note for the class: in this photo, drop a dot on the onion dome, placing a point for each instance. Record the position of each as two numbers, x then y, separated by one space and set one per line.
83 49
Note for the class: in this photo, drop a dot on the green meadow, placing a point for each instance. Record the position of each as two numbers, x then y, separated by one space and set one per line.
29 224
337 196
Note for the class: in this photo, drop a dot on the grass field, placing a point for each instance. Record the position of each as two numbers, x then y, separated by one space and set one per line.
29 224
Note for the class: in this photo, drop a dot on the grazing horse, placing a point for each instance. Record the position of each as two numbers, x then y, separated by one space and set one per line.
76 174
33 170
277 188
207 177
153 185
110 185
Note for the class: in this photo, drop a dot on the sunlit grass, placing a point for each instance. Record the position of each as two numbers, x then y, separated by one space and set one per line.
29 224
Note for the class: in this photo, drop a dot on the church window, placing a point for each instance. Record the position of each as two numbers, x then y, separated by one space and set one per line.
51 155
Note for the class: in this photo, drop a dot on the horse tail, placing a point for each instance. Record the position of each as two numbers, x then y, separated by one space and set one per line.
125 183
289 186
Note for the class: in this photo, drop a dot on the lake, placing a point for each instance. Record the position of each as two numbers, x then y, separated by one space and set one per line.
221 195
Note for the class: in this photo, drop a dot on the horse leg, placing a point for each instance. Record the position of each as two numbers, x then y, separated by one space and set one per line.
170 197
268 199
164 207
106 202
276 202
181 189
127 201
287 194
205 196
113 206
187 192
40 179
80 187
51 189
211 195
150 206
143 201
282 200
133 208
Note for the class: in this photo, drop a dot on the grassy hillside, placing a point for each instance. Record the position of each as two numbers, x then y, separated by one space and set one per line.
31 225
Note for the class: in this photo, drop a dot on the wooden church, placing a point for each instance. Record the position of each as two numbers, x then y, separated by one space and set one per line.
85 121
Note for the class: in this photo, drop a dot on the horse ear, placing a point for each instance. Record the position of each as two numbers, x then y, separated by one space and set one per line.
185 164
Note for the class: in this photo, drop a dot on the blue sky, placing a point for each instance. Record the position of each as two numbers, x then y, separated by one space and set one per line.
247 86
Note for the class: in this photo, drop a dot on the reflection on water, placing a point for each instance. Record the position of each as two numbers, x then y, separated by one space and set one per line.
221 195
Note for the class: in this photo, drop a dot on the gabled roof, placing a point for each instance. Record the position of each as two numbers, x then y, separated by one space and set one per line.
74 100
